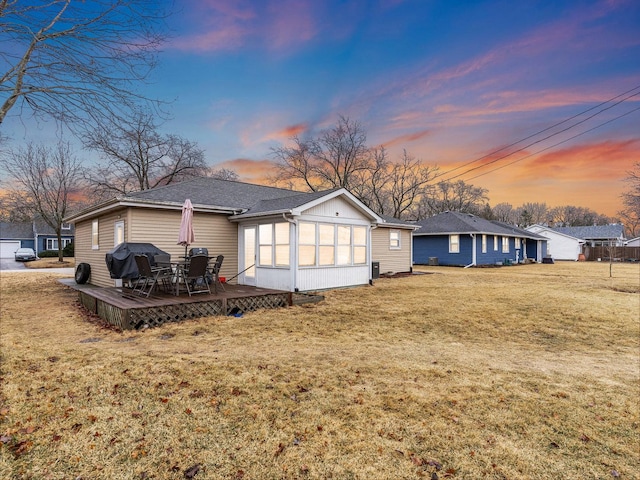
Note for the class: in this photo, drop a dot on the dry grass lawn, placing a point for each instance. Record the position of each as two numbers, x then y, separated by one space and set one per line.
527 372
68 262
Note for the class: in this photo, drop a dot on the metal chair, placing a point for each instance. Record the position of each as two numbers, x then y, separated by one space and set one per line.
148 276
195 275
215 274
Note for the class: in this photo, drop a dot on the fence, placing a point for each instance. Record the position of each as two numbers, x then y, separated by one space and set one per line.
618 254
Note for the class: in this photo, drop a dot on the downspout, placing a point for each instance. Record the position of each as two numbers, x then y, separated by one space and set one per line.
369 251
474 252
294 253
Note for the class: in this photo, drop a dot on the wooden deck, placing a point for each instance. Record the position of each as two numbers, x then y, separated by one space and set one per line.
127 311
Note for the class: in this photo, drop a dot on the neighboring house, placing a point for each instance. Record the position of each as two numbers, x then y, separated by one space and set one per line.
634 242
596 235
561 246
37 235
270 237
462 239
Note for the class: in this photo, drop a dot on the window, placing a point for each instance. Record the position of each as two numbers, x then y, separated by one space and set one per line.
359 245
265 244
66 226
52 243
484 244
518 243
454 243
325 244
495 243
307 244
394 239
118 232
282 244
273 244
95 245
505 244
344 245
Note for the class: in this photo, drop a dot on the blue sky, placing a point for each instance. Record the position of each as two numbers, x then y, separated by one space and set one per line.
449 81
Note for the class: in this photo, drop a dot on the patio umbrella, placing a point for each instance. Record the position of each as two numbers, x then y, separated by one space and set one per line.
186 237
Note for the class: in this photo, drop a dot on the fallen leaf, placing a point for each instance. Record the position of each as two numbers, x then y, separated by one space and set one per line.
279 450
585 438
434 476
187 411
614 473
192 471
239 474
21 447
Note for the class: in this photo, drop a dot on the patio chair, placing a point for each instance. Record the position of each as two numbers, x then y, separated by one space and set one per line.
195 275
215 274
150 276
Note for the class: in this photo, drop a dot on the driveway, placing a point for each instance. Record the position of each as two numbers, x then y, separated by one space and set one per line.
11 264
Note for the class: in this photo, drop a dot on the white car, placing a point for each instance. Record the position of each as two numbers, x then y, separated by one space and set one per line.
25 254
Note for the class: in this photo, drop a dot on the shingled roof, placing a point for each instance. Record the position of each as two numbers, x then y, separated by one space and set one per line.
594 232
212 192
451 223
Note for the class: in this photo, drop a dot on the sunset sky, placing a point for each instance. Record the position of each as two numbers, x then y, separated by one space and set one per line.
449 81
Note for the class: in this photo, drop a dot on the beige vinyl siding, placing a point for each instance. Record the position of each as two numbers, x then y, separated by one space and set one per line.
212 231
159 227
391 260
84 253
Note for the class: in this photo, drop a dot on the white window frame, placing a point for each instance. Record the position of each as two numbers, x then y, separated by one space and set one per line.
505 244
484 243
495 243
359 249
274 245
118 226
326 245
454 243
518 243
52 243
304 246
95 235
66 226
354 251
394 240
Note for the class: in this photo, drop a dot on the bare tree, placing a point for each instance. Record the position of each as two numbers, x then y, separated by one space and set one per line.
332 160
223 174
504 212
453 196
137 157
77 62
630 214
573 216
530 213
44 182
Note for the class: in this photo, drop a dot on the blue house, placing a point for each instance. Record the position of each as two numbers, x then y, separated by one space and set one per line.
462 239
36 235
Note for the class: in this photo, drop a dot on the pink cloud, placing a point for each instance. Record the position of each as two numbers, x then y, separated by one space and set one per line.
227 25
402 140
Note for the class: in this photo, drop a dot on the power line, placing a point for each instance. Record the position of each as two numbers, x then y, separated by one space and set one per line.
540 132
555 144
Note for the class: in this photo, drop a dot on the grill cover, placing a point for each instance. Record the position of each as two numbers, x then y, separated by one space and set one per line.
121 262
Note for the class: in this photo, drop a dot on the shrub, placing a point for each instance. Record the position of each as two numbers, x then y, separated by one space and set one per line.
48 253
68 251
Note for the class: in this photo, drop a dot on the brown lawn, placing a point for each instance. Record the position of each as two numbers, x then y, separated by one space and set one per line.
67 262
526 372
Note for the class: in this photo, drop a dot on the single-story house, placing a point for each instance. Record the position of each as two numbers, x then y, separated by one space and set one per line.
634 242
561 246
596 235
270 237
463 239
37 235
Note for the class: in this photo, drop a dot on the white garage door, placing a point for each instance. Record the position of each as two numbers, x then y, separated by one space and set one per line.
7 249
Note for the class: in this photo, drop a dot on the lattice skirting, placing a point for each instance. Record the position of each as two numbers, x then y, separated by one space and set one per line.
146 317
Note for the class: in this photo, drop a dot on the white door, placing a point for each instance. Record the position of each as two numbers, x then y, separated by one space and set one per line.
248 256
8 248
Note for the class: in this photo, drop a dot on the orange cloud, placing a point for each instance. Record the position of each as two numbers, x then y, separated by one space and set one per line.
287 132
408 138
251 171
